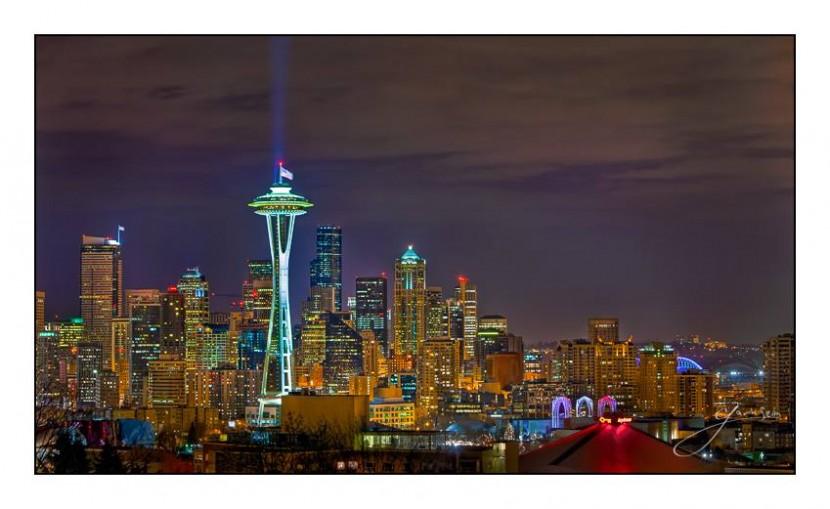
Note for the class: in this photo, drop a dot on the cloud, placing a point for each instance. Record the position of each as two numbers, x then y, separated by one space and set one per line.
571 158
167 92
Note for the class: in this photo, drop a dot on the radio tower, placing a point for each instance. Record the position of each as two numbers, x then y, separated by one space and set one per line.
280 207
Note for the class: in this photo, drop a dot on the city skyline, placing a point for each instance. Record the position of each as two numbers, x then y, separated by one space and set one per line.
594 307
597 230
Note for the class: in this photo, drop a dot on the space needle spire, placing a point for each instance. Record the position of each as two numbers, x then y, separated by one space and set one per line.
280 207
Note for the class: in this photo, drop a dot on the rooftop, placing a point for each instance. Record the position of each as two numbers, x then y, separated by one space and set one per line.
607 448
410 256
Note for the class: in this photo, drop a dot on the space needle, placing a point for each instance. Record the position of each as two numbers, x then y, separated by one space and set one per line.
280 207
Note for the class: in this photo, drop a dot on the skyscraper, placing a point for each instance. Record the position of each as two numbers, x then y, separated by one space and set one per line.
71 331
455 319
410 300
658 379
695 393
257 291
89 371
195 290
102 294
322 299
122 337
603 330
166 382
326 268
280 207
491 338
496 323
213 347
40 311
144 309
48 366
779 375
371 308
250 349
172 323
343 355
467 296
436 313
438 371
374 362
575 366
615 371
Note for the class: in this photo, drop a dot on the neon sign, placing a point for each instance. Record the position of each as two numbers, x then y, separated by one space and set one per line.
614 420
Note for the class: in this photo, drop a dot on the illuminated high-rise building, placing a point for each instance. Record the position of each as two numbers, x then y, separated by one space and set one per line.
195 290
172 323
326 267
779 375
370 308
40 311
374 362
615 372
321 299
491 338
226 389
109 389
257 291
466 295
351 307
250 348
409 309
535 365
144 308
695 393
102 294
312 351
574 365
90 355
280 207
344 353
496 323
455 319
71 332
436 313
166 384
438 372
213 346
48 366
122 338
658 379
603 330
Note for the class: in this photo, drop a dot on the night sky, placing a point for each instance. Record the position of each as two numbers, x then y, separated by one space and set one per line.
646 178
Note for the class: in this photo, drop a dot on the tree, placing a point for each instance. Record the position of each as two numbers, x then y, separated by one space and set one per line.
50 418
138 460
195 432
70 455
509 432
167 441
109 462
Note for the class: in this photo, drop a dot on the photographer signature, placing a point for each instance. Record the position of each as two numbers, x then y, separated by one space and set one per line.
719 426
